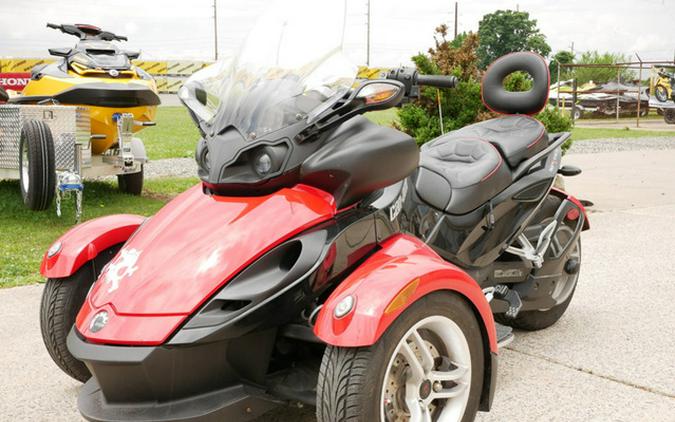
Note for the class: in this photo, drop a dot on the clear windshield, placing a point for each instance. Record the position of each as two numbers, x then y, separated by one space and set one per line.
290 65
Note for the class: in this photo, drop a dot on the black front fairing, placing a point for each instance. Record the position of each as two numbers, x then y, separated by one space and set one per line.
350 162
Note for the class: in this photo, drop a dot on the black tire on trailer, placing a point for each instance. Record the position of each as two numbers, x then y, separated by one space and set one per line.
355 382
62 299
669 116
37 173
131 183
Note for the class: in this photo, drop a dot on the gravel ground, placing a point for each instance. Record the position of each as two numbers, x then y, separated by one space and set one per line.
593 146
176 167
186 167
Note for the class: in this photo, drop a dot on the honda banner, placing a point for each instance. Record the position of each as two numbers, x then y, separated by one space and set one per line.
14 81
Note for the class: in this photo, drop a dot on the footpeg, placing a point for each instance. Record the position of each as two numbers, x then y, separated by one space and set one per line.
511 297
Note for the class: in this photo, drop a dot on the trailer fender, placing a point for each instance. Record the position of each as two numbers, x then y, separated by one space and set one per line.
386 284
85 241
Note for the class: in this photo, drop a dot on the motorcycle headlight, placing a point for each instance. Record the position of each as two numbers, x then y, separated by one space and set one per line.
268 159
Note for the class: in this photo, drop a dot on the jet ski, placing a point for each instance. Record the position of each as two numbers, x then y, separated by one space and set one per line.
97 74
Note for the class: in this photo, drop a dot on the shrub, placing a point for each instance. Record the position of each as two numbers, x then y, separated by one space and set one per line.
554 122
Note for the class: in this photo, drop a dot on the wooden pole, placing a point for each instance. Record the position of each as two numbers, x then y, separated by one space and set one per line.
456 18
557 98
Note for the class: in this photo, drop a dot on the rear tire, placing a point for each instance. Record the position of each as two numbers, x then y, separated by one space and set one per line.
131 183
355 383
535 320
37 174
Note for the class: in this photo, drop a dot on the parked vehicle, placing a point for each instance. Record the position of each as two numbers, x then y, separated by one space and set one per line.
600 100
323 259
663 87
97 74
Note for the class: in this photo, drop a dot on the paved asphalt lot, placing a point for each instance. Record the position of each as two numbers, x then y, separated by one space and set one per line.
610 358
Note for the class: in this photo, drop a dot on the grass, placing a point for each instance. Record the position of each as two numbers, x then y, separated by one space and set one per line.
25 234
174 136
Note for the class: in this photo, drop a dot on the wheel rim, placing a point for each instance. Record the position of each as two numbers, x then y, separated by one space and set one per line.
428 377
25 178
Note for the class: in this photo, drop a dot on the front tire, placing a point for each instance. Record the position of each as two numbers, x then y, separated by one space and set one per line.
37 176
62 299
131 183
428 364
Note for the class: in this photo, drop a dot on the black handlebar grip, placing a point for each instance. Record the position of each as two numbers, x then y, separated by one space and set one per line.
121 38
52 25
437 81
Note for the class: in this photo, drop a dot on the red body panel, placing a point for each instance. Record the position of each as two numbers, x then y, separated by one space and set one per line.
85 241
187 251
376 283
564 195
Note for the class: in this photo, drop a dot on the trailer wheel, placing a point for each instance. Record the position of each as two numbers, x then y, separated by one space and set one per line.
131 183
578 113
669 116
36 164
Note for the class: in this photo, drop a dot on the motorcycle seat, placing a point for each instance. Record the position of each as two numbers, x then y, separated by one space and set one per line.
458 173
517 136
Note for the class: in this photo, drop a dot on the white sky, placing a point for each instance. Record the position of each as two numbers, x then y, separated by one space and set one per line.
183 29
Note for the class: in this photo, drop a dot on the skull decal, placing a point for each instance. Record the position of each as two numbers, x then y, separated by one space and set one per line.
124 265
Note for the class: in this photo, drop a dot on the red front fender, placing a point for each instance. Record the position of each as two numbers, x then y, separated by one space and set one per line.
83 242
404 270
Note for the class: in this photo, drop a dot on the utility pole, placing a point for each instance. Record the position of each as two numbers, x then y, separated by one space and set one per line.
368 36
456 18
572 48
215 30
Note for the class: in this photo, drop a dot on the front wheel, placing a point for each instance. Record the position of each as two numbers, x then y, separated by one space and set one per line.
427 366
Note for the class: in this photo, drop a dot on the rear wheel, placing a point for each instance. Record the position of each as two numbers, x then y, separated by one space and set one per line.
36 163
566 284
427 366
131 183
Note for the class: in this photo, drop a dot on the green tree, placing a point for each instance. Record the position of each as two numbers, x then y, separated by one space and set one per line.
506 31
562 57
600 74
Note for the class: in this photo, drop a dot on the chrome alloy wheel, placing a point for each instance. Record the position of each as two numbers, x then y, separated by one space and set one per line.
428 377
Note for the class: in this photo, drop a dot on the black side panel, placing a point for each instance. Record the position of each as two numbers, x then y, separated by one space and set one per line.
359 158
3 95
